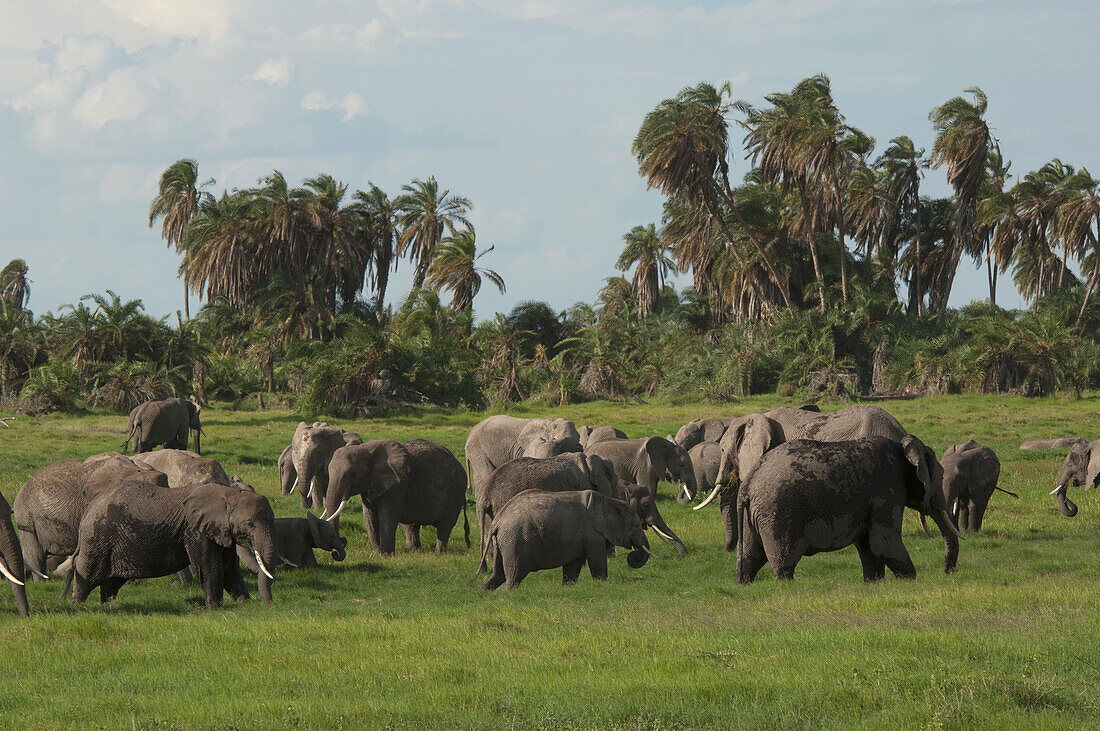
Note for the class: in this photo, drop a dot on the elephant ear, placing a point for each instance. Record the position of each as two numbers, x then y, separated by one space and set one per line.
206 511
317 529
923 461
595 507
660 451
1093 469
388 467
601 474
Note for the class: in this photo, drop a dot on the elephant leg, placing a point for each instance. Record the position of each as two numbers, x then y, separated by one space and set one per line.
571 571
387 527
977 512
370 522
596 553
514 570
234 581
498 577
885 541
109 589
874 568
320 489
185 577
751 556
962 517
727 502
81 588
412 537
213 587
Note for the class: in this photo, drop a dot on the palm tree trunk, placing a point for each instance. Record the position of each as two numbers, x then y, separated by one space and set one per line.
813 249
186 303
840 236
712 208
920 265
1088 293
992 276
728 195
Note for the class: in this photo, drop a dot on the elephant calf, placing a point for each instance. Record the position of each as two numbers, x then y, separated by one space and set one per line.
539 530
970 473
296 539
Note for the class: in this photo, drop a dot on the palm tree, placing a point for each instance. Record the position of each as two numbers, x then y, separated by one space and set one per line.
381 219
1079 228
681 150
425 214
454 268
282 239
901 164
645 248
963 142
340 248
220 249
18 336
178 198
992 205
15 288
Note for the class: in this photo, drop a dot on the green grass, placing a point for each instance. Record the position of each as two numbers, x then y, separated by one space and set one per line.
1012 639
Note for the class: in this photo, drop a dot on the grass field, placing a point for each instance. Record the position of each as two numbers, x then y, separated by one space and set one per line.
1011 640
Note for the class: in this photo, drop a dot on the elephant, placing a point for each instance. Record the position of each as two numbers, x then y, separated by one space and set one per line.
970 473
539 530
695 431
705 460
648 461
11 559
808 497
51 503
304 463
164 422
296 538
1081 467
1061 443
146 531
497 439
567 473
414 483
593 434
184 468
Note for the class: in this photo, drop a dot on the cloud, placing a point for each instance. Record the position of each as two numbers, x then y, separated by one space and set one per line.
124 95
352 103
50 93
274 71
95 53
208 20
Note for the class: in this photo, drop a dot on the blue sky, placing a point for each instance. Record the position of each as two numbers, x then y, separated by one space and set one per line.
527 107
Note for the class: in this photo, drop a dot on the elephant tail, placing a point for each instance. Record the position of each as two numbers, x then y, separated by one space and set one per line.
129 438
465 522
1008 492
469 478
68 577
481 566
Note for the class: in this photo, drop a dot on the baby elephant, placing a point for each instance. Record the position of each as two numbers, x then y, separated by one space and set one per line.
539 530
296 539
970 473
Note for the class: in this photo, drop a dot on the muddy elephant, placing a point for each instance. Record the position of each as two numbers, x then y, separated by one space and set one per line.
540 530
166 422
145 531
648 461
296 539
414 483
970 474
497 439
709 429
184 468
11 559
593 434
303 465
51 503
808 497
1081 467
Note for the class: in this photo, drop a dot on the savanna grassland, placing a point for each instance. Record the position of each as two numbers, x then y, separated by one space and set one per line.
1011 640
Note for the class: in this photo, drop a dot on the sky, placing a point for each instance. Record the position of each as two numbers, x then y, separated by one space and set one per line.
526 107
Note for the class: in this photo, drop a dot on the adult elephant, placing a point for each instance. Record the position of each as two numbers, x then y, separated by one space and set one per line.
497 439
145 531
970 474
184 468
166 422
11 559
304 463
1081 467
593 434
648 461
567 473
706 457
807 497
414 483
51 503
709 429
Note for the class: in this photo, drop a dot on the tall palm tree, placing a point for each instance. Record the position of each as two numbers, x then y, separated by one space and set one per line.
992 204
178 198
18 343
682 149
454 268
281 227
901 164
15 288
381 219
219 249
1079 227
340 249
425 214
645 249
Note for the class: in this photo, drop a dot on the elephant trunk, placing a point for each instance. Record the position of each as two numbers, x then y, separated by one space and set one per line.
266 553
950 539
1067 506
638 557
657 523
341 552
11 565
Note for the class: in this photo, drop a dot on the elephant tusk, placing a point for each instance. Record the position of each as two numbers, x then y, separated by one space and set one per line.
287 561
710 497
924 524
662 534
38 573
296 478
1055 490
951 525
325 513
651 554
263 568
309 494
339 509
684 490
9 575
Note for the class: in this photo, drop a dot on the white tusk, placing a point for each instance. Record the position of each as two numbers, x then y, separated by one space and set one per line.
38 573
339 509
324 514
9 575
296 478
661 533
1055 490
710 497
263 568
310 493
651 554
287 561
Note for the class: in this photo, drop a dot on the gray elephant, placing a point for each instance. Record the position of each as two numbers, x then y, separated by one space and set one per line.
970 474
706 457
51 503
540 530
304 463
144 531
648 461
1081 467
567 473
808 497
1061 443
296 539
497 439
166 422
11 559
184 468
709 429
593 434
414 483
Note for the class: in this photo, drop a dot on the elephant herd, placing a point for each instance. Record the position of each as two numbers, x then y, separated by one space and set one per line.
789 482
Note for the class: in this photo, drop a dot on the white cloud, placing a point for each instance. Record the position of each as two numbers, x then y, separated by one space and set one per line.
368 35
124 95
196 19
50 93
97 54
352 104
274 71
